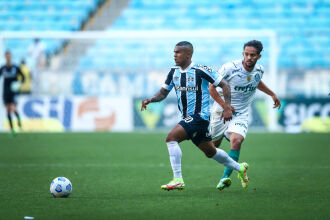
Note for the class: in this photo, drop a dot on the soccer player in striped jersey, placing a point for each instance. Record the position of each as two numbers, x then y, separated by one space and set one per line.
244 77
191 83
10 73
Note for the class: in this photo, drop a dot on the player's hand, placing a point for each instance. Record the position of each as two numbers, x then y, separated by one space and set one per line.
277 102
145 102
227 115
232 109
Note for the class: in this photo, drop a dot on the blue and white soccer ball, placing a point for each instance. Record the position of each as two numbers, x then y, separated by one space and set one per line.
60 187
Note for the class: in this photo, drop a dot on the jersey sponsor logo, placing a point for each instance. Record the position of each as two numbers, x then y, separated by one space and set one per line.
189 89
241 125
247 88
205 67
9 74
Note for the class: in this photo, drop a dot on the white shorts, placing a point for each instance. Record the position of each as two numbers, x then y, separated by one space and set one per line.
218 129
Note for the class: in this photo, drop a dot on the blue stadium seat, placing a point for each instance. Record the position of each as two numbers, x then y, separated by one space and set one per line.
62 15
294 21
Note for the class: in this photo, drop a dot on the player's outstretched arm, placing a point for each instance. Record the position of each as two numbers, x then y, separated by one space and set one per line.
215 95
226 114
262 87
159 96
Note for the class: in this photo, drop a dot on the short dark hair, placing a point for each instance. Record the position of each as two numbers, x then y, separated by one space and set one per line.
186 44
254 43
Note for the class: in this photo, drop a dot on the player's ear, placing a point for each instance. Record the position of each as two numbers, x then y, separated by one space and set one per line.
259 56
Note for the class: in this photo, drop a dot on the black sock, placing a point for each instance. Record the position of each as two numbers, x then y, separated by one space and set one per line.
10 122
18 119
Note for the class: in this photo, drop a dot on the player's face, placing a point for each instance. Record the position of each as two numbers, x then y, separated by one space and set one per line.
250 56
8 57
181 56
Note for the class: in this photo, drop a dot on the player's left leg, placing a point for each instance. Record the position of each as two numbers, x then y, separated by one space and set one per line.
223 158
218 155
14 109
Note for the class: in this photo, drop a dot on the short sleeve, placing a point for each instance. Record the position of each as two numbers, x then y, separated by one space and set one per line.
210 75
168 84
224 71
262 71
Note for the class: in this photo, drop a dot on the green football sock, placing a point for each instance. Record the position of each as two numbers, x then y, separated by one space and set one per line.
235 155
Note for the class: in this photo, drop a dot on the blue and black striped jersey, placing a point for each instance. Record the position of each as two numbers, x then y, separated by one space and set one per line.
192 88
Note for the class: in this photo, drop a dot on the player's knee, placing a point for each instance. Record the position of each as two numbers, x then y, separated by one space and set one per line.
169 138
216 144
210 153
236 144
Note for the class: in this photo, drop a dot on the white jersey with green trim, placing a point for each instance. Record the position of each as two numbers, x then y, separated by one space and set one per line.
243 85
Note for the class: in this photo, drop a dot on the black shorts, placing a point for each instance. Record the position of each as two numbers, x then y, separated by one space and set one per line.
9 98
197 128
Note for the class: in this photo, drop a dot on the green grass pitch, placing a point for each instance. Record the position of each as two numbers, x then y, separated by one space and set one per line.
118 176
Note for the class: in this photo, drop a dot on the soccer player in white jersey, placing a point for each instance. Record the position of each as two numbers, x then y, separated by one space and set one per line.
244 77
191 83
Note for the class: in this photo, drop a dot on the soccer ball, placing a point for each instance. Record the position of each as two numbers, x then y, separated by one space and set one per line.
60 187
15 86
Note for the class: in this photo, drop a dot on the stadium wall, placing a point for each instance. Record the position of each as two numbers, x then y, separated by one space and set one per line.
122 114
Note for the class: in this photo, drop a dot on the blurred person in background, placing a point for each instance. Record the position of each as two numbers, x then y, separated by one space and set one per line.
191 83
26 86
36 61
244 77
11 85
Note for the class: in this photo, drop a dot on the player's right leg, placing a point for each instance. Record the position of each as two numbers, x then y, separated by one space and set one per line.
217 130
176 135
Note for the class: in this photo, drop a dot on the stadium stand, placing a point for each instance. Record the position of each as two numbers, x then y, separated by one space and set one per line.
302 27
62 15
